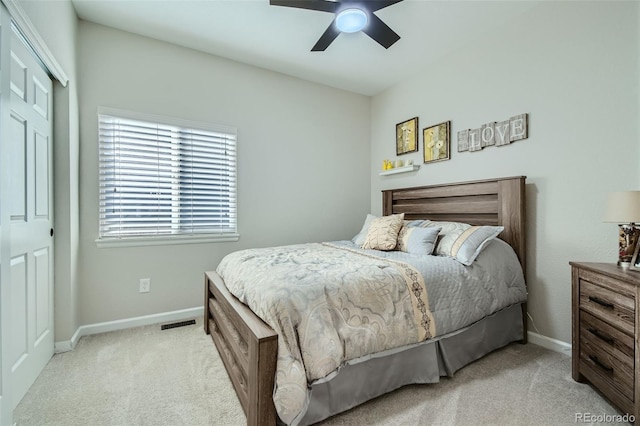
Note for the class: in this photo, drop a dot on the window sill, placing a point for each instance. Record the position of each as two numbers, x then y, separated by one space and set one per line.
165 240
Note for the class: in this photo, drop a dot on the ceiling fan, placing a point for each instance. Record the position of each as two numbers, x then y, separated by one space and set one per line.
350 16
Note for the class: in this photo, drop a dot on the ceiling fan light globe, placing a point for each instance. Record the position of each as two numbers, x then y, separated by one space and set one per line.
351 20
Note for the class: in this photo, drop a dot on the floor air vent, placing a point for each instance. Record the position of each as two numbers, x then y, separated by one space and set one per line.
177 324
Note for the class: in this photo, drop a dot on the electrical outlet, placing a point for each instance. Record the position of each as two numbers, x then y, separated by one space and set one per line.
145 285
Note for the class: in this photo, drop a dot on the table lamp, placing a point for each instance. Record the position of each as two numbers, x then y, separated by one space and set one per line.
623 208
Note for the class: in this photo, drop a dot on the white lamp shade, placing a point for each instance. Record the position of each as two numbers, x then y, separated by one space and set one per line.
623 207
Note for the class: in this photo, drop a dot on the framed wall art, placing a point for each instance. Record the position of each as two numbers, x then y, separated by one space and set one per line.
407 136
437 142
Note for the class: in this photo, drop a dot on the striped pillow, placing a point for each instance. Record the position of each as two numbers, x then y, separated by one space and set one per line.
462 241
416 240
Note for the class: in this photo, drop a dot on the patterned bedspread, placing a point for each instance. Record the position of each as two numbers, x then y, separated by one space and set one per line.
334 302
328 304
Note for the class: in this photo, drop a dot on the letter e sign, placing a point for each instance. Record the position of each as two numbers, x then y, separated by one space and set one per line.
518 127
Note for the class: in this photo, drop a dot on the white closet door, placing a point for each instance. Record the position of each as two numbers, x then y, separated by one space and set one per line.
6 401
30 201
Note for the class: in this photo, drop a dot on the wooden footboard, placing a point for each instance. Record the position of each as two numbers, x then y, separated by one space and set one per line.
248 348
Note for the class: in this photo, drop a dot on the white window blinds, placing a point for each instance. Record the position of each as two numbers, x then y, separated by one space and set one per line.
163 177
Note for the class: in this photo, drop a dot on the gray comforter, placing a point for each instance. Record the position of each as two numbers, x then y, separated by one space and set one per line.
333 302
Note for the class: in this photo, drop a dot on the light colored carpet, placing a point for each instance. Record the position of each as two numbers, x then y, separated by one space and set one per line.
145 376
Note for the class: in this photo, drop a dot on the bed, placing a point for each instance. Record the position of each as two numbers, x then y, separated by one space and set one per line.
249 347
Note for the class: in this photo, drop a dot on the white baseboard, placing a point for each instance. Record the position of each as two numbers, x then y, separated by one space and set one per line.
549 343
104 327
67 345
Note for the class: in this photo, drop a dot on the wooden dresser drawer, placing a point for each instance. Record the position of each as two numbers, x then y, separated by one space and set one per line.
613 341
611 370
614 308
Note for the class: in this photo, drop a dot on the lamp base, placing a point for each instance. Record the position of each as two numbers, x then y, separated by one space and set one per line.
627 240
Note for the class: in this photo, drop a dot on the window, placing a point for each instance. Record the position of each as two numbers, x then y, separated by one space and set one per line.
165 180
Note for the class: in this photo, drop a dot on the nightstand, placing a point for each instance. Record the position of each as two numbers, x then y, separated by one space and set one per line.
605 346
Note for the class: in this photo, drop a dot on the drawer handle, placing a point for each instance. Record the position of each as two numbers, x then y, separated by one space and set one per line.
601 302
601 336
600 364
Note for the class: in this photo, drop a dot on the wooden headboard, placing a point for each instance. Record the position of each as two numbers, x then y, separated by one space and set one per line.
498 202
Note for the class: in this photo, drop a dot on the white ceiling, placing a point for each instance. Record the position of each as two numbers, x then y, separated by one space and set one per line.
280 38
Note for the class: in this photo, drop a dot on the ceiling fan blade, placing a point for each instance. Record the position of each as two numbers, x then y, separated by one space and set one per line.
321 5
380 32
327 38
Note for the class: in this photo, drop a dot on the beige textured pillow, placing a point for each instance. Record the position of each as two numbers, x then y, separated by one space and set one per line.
383 232
462 241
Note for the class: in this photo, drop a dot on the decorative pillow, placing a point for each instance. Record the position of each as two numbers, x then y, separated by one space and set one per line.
417 240
446 227
362 235
383 232
465 245
448 233
412 223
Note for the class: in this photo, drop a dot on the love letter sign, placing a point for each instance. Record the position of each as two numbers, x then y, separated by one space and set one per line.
497 133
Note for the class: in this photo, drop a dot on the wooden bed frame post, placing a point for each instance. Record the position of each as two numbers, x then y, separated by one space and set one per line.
207 314
387 202
514 193
248 349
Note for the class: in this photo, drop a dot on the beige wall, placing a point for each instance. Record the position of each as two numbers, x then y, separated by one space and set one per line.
574 68
303 163
57 24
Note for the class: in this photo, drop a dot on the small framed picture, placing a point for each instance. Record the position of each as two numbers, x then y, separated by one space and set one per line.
635 260
407 136
437 142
